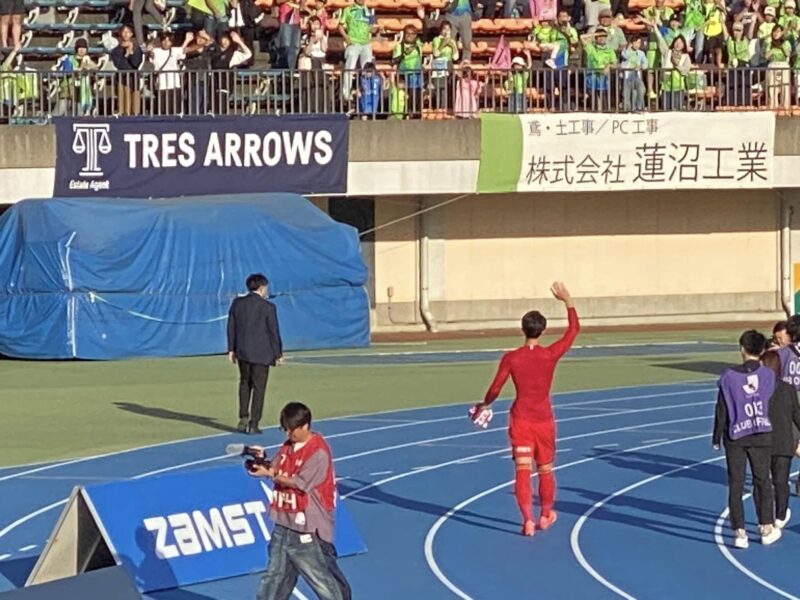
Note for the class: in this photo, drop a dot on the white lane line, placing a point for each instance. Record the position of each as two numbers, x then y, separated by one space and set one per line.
739 566
457 351
565 450
574 538
604 446
503 429
27 548
4 556
377 473
104 455
40 511
654 440
508 456
431 536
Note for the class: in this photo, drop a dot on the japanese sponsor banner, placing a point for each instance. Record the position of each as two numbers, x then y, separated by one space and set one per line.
599 152
167 157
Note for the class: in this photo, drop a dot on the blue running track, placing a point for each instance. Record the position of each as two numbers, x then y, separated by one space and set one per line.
640 498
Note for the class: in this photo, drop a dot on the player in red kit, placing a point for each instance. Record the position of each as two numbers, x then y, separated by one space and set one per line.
532 428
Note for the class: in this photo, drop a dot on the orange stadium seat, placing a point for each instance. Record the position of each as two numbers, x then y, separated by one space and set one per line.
518 26
382 47
642 4
485 26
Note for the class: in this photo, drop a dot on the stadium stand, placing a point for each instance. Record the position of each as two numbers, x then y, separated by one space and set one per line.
521 57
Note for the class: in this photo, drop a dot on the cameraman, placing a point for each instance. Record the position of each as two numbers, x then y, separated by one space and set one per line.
303 504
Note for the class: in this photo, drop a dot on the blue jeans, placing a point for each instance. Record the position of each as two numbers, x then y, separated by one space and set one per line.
288 45
293 554
672 100
517 103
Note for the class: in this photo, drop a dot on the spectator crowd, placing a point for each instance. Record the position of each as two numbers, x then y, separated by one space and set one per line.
335 56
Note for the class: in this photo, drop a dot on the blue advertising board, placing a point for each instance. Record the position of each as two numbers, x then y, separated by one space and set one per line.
174 530
169 157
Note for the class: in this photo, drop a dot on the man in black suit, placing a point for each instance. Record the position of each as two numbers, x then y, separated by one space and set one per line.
254 341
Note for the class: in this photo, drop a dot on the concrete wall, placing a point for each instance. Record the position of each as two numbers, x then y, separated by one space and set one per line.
628 256
681 256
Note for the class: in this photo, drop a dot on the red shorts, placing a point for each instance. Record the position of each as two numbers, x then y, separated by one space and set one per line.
536 440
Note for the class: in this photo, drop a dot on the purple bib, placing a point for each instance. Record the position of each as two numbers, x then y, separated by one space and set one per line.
747 398
790 365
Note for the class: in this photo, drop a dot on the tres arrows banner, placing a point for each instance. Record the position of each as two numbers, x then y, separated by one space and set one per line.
172 530
167 157
600 152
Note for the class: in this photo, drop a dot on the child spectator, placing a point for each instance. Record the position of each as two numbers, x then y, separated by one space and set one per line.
660 14
517 83
634 60
75 90
398 100
445 53
315 46
715 14
790 22
407 57
599 61
738 52
467 91
764 36
548 40
370 92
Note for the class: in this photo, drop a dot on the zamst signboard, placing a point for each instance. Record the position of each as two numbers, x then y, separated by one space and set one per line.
140 158
172 530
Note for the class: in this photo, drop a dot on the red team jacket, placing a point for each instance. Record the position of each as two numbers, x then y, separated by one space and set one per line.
531 370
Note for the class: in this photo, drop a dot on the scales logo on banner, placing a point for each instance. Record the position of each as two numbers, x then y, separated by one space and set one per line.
172 530
90 140
144 158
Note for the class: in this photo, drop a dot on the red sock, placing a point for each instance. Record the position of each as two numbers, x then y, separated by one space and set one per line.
547 492
524 494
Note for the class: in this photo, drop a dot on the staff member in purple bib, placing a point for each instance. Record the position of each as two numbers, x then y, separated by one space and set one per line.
783 412
742 421
790 353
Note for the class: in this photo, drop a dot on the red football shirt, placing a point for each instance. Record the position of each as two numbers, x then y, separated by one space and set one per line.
531 370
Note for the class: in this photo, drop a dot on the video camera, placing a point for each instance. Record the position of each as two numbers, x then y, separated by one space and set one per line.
256 456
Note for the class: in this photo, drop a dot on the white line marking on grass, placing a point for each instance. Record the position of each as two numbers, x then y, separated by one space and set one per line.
719 540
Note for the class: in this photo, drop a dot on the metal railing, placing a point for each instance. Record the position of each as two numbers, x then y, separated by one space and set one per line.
31 96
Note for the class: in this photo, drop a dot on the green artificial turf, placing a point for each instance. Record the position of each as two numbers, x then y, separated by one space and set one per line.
57 410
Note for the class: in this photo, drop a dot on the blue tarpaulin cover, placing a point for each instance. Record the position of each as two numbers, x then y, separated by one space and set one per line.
105 278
